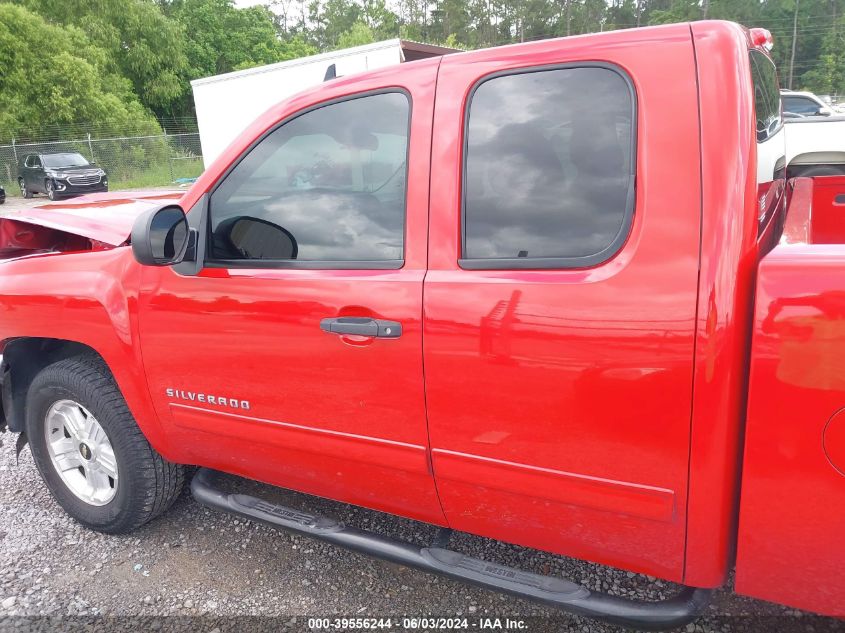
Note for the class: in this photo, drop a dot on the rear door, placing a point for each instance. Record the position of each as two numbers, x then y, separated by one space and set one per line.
561 297
316 234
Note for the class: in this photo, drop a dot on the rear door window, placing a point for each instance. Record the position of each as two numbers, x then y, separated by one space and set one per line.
549 168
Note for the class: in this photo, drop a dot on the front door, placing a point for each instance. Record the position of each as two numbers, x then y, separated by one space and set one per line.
560 301
34 174
294 356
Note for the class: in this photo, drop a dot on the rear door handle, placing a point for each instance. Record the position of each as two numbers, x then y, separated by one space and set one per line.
362 326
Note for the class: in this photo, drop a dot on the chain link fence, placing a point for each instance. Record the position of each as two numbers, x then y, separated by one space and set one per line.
132 162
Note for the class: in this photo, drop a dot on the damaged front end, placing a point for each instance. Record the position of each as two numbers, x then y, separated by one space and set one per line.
89 223
83 225
21 239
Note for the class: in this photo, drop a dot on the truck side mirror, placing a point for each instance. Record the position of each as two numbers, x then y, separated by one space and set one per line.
160 236
825 111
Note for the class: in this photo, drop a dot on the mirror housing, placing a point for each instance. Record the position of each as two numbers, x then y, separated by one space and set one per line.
825 111
160 236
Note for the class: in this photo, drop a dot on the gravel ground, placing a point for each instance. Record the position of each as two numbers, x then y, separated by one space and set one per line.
196 569
13 204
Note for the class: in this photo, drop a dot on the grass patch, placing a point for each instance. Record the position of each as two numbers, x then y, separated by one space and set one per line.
158 175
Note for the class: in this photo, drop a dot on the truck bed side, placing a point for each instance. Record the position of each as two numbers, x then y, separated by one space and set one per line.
792 512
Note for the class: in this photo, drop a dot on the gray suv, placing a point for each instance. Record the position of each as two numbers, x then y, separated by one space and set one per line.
60 175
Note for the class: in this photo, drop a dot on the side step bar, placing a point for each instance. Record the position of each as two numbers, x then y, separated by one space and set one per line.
555 592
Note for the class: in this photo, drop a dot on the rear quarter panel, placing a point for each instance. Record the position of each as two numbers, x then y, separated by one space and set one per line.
728 260
792 513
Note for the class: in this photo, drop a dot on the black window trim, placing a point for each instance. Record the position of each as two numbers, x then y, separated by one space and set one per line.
385 264
753 54
545 263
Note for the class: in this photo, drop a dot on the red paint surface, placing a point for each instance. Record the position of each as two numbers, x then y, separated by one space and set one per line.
834 441
728 261
828 210
331 416
556 397
792 515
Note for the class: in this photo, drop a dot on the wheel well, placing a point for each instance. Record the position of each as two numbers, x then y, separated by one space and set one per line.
23 358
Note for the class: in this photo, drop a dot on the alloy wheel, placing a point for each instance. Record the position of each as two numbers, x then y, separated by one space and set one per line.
81 452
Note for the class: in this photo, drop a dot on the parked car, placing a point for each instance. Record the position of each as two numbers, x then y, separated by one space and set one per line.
565 303
815 145
60 175
804 104
2 194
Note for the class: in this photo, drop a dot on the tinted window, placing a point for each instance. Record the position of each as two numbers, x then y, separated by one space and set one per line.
771 154
800 105
766 96
549 168
326 186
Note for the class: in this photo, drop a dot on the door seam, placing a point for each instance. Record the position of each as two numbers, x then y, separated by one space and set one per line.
428 449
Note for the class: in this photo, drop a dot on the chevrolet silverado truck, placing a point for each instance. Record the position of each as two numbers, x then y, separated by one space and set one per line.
559 294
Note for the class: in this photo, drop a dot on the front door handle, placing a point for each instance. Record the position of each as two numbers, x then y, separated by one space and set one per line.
362 326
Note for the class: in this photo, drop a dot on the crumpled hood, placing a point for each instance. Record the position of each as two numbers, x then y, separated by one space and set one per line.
104 217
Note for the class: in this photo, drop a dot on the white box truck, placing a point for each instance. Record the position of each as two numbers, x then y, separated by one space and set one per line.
226 104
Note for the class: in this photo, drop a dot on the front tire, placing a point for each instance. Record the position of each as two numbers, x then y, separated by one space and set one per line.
90 452
26 193
50 189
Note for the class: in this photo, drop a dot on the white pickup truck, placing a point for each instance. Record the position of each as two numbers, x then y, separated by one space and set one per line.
815 146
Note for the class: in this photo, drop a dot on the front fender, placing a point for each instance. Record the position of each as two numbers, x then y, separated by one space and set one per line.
89 298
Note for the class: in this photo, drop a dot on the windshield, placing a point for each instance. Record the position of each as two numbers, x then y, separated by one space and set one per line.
64 160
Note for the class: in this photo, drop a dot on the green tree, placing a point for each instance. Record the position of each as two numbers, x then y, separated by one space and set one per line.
677 11
56 75
140 42
359 34
828 74
220 38
329 20
451 18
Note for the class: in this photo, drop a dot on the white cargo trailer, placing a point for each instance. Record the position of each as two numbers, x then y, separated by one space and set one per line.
226 104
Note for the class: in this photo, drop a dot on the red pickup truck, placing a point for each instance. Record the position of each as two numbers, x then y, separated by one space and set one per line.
559 294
